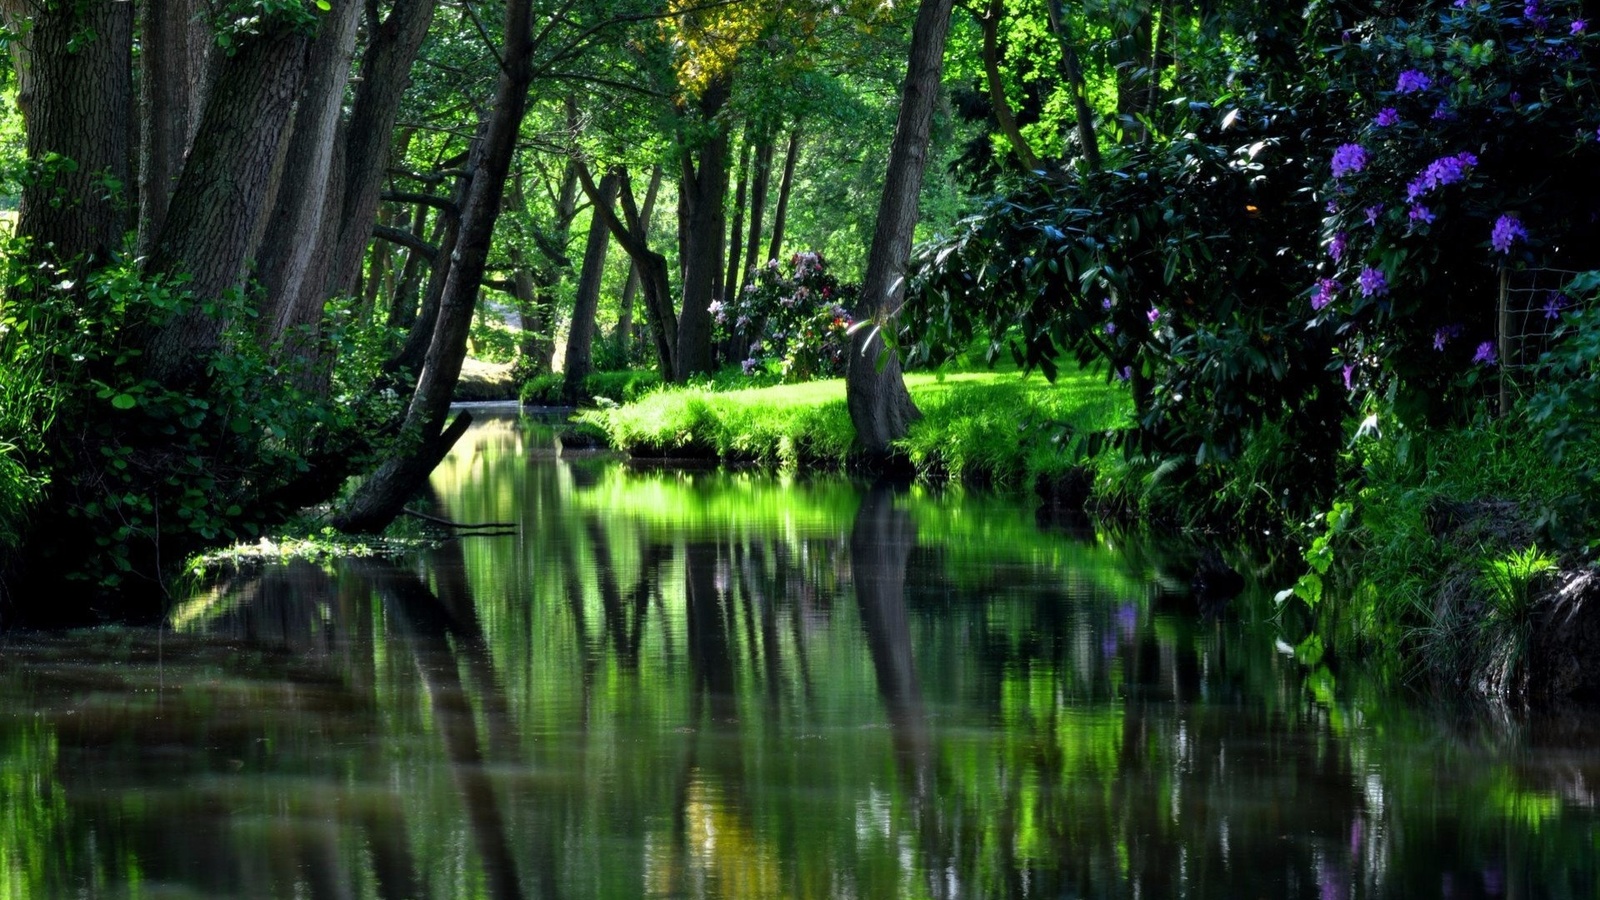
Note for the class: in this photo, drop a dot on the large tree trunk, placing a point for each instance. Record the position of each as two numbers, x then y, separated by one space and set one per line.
75 78
218 212
880 406
171 67
296 232
624 335
780 216
385 73
579 362
702 195
382 496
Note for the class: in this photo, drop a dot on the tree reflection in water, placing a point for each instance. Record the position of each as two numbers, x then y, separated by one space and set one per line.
692 684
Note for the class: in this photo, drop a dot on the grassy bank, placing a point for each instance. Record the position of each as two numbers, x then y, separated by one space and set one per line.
985 427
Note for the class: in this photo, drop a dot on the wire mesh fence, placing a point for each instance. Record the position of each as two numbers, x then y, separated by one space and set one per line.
1531 306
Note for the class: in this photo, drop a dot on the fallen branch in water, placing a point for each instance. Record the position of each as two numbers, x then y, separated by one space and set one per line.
465 526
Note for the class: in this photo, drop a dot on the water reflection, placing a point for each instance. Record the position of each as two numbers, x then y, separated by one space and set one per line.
695 684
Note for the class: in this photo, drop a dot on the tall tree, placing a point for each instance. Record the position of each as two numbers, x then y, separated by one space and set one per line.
381 497
579 361
880 406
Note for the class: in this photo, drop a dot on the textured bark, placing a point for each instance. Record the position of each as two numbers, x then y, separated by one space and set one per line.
381 497
990 22
702 199
220 207
168 104
579 362
75 79
295 231
880 406
653 272
624 335
780 216
385 74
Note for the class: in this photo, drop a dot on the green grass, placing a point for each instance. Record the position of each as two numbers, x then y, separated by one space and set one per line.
994 427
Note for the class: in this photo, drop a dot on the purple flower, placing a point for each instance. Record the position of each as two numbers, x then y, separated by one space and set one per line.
1348 371
1442 171
1333 205
1373 212
1443 112
1386 117
1111 328
1327 289
1515 97
1153 315
1485 355
1460 4
1554 304
1507 231
1411 81
1445 334
750 365
1349 159
1578 27
1125 373
1338 246
1372 282
1421 214
1106 304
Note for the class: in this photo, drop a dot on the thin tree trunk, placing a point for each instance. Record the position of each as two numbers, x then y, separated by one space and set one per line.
219 210
381 497
624 335
579 361
653 272
880 406
990 22
780 216
736 228
1072 72
758 208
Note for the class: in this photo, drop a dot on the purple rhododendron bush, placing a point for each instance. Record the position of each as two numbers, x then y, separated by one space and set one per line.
1300 277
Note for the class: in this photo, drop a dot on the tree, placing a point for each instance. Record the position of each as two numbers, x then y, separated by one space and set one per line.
880 406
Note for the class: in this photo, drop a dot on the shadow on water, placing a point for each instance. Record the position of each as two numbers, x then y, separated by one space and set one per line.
704 684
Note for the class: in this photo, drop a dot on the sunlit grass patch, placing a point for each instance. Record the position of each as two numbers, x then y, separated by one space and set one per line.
989 426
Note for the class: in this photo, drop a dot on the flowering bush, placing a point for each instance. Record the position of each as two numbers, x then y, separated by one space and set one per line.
1477 149
794 322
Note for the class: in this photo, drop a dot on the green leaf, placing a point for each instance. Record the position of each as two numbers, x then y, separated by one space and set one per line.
124 401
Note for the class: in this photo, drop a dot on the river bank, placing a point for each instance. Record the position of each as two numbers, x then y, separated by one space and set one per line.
1456 558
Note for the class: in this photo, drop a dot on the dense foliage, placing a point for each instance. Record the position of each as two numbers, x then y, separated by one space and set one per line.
1275 261
792 320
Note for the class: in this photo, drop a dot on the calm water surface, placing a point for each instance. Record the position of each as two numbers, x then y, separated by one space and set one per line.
698 684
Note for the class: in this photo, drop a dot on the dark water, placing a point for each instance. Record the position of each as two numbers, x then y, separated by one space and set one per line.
692 684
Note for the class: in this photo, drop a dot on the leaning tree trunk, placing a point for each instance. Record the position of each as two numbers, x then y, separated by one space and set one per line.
383 495
219 209
780 216
653 272
989 20
624 336
759 188
76 76
880 406
296 232
1072 72
579 362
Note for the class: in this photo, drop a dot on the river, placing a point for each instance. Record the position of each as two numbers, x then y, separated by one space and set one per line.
697 683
